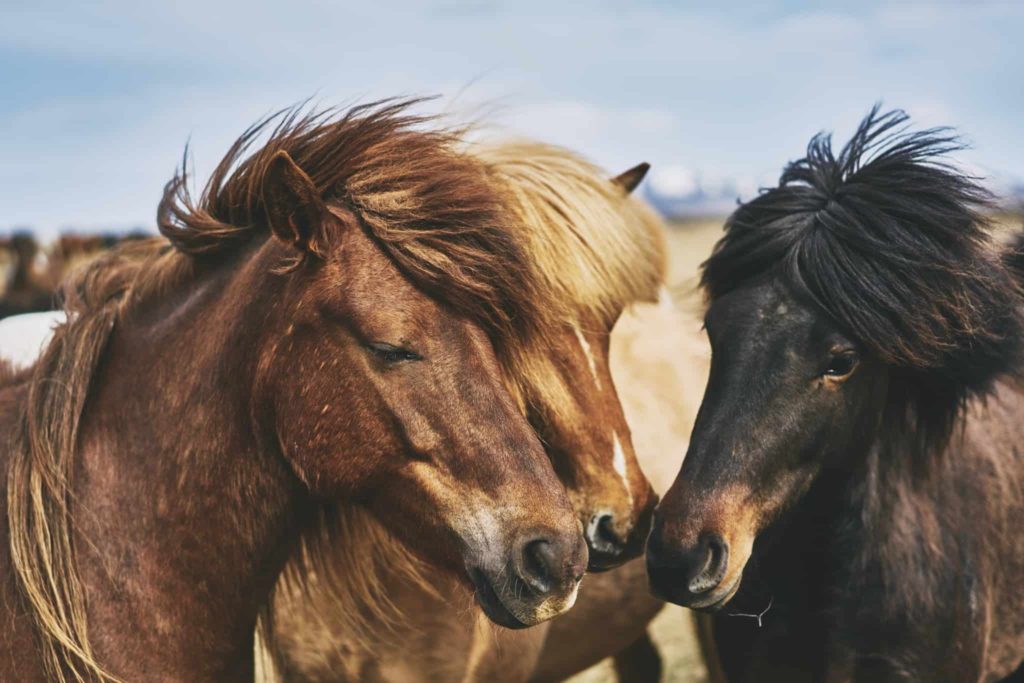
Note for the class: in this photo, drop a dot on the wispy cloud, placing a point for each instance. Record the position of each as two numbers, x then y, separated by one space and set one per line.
100 97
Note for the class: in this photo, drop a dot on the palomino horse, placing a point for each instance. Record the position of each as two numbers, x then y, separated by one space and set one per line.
853 487
659 359
341 617
285 348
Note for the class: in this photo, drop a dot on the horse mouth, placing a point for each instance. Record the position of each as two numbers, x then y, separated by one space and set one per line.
491 604
666 587
717 600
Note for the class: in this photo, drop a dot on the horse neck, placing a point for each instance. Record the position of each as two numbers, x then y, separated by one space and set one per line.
354 596
875 526
191 507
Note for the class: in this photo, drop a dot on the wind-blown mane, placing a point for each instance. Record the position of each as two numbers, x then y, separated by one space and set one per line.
892 242
595 249
428 205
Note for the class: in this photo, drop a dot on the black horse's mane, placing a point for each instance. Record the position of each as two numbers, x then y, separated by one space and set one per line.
892 242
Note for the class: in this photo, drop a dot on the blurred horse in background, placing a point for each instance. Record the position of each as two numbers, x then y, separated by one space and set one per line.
23 287
74 250
30 274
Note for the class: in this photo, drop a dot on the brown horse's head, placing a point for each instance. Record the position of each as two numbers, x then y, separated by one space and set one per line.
597 251
855 306
378 371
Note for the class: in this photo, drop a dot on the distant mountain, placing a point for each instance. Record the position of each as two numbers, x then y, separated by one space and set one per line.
678 192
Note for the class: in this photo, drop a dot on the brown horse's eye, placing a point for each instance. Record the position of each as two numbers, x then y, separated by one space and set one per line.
841 365
392 354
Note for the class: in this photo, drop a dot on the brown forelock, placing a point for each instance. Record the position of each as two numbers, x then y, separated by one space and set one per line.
429 205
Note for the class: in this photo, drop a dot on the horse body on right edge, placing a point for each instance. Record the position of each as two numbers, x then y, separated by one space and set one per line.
851 503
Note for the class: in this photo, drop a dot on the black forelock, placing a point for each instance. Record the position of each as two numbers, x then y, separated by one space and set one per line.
890 240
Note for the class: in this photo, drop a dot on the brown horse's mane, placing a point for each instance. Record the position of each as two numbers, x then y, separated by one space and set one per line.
429 206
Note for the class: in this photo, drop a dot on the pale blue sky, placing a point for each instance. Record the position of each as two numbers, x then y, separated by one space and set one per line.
98 98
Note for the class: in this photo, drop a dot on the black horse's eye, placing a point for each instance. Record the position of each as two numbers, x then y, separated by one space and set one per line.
841 365
392 354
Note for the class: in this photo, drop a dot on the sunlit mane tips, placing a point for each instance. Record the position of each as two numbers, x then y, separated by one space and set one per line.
430 206
892 242
595 249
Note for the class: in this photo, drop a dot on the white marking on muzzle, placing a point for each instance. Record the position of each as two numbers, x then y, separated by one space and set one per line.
619 463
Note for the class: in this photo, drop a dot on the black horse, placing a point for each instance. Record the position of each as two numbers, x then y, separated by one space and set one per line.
851 507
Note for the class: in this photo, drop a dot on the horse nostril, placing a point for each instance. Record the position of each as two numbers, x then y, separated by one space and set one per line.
538 563
715 562
602 536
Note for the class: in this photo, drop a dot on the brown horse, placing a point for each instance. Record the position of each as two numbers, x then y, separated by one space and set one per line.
850 505
596 251
289 346
72 250
24 290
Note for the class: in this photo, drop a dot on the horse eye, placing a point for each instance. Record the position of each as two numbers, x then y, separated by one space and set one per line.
841 365
392 354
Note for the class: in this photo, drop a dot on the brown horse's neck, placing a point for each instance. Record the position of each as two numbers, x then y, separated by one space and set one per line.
186 511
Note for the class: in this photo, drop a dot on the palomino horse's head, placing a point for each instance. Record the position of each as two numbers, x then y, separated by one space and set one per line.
378 370
854 305
597 251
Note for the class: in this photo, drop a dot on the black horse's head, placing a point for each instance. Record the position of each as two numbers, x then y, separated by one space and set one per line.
859 298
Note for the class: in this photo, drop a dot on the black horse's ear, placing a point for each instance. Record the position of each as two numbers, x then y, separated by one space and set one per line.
295 211
628 180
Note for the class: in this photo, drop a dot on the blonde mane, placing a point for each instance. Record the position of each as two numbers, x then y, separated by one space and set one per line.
595 248
595 251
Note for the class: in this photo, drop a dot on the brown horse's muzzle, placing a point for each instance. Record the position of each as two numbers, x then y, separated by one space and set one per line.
537 582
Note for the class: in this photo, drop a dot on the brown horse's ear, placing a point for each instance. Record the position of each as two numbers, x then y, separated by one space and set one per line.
628 180
295 211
